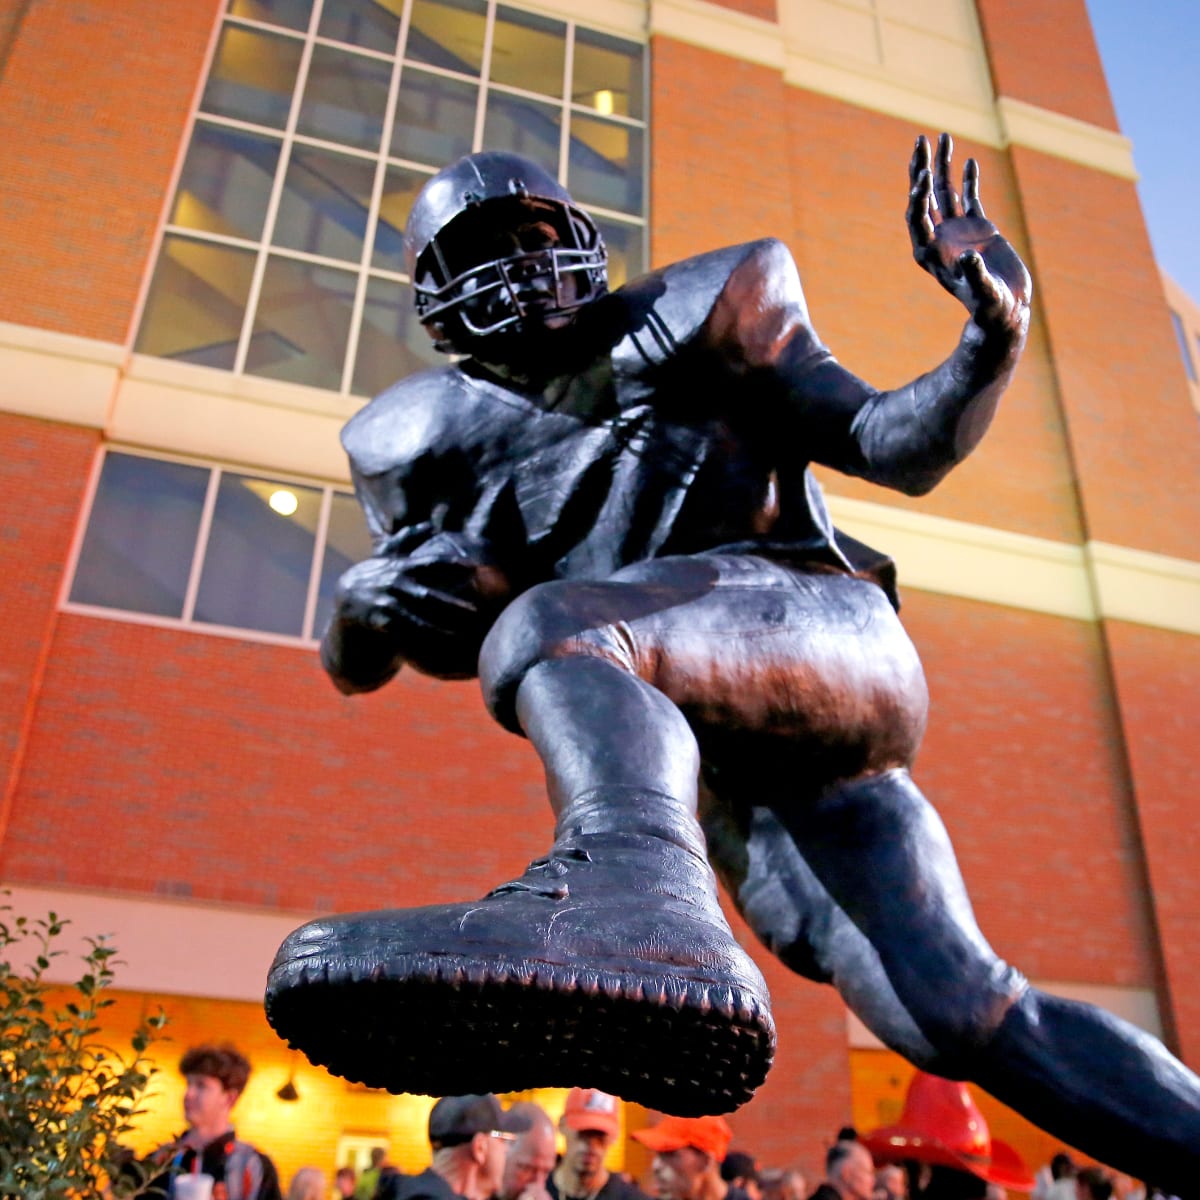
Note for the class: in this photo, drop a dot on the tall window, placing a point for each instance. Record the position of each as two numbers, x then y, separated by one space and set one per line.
215 547
319 122
1182 338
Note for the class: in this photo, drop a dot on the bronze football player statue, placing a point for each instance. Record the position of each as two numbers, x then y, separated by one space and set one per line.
605 510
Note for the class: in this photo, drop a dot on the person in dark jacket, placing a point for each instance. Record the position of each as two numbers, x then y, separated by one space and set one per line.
216 1077
470 1137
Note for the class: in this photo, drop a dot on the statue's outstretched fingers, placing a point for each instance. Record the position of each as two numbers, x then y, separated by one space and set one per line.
943 184
970 192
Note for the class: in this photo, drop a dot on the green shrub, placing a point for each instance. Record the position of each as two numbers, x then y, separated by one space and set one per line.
66 1098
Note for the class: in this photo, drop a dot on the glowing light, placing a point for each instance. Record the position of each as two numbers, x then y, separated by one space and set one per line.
603 102
284 502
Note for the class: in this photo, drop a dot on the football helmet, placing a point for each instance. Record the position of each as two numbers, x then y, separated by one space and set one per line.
495 245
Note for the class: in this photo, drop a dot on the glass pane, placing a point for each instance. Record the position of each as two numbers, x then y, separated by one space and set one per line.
523 126
374 24
226 181
259 555
196 303
605 167
252 77
529 52
1181 338
291 14
626 251
435 117
323 208
608 75
346 542
447 33
345 98
302 324
141 535
400 188
391 343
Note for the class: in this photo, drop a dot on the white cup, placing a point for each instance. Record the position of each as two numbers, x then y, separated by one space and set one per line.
193 1187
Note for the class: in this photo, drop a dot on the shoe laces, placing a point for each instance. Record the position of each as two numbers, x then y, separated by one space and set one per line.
544 876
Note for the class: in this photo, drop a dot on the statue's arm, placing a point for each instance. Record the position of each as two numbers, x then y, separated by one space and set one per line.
428 594
425 598
909 437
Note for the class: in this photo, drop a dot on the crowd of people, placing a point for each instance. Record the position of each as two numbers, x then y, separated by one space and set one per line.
940 1149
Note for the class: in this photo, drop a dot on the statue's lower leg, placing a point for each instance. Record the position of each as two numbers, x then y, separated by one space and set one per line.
860 888
607 964
1099 1084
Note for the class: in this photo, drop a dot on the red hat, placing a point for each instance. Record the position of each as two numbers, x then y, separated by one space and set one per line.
941 1125
711 1135
589 1109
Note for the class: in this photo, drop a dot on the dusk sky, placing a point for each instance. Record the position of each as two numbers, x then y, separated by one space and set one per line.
1151 53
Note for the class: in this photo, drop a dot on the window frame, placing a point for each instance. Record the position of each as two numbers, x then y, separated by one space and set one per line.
307 639
383 159
1185 349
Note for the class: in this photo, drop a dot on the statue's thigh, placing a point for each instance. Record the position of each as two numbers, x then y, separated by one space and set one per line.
815 661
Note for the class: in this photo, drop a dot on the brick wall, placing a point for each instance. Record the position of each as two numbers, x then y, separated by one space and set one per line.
1157 675
1045 54
231 771
42 473
93 104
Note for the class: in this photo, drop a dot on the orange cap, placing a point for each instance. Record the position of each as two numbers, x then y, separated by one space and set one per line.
711 1135
589 1109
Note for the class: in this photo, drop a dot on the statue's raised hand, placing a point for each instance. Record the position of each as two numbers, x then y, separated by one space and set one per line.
955 242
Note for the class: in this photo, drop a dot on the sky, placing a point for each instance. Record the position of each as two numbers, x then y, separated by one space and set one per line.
1151 55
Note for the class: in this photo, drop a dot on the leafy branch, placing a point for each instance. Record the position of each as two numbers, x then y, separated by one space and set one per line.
66 1098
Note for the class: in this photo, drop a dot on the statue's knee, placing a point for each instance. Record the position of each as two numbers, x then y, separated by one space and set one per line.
547 622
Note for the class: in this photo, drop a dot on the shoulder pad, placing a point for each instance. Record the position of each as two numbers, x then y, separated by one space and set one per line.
404 420
669 307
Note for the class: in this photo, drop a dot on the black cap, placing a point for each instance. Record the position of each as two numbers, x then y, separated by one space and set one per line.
457 1119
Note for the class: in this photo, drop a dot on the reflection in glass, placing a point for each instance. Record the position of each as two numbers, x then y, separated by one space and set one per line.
346 543
374 24
323 209
528 52
141 535
345 98
605 164
447 33
523 126
391 342
291 14
607 74
1182 339
196 302
302 323
257 562
400 188
435 117
626 250
252 77
226 181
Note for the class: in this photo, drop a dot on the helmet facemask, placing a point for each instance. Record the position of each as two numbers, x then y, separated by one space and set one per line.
508 266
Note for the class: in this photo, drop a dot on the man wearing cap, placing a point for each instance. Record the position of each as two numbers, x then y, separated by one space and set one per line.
688 1152
470 1136
589 1126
